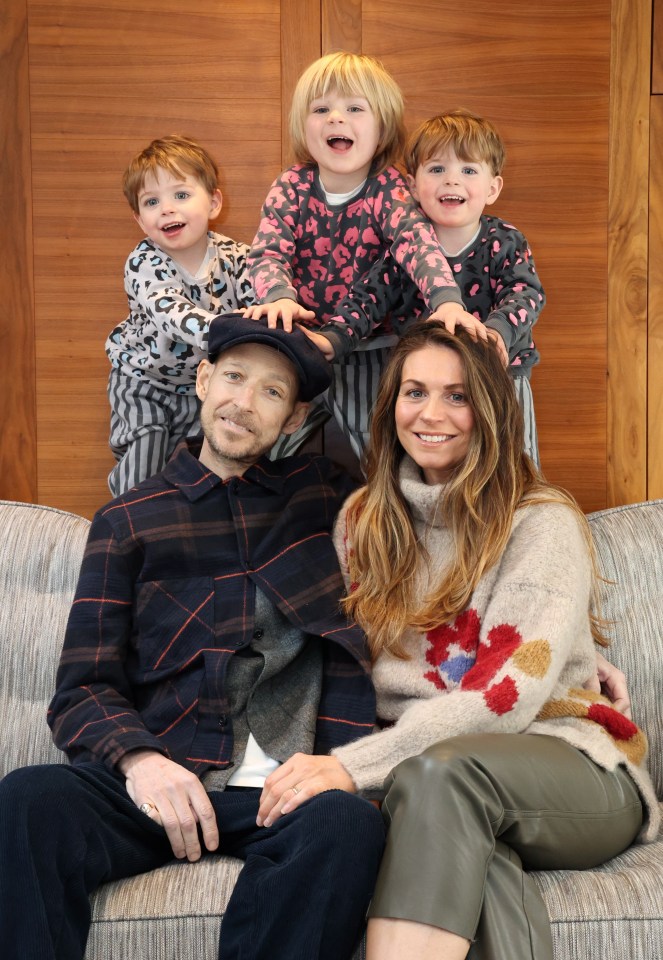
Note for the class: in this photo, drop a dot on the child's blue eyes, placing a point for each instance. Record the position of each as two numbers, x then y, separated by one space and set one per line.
353 109
153 201
464 170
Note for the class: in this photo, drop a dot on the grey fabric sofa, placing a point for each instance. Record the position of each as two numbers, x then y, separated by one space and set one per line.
175 912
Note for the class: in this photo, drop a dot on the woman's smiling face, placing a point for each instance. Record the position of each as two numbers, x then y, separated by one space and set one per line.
434 420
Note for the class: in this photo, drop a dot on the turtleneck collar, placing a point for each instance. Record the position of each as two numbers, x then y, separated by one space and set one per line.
424 499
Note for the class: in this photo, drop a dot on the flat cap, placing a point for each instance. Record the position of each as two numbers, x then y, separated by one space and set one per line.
230 329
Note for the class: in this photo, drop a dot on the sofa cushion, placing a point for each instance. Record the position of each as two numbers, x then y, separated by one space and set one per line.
616 910
175 912
40 556
629 544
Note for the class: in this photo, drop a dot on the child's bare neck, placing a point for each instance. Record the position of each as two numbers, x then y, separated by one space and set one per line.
191 259
455 239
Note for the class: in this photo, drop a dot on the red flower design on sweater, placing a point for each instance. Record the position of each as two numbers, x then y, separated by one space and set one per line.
460 660
616 724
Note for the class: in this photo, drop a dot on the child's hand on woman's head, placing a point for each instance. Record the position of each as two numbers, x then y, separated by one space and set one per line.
285 310
452 315
496 337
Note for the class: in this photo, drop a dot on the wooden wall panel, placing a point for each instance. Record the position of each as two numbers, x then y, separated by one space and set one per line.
300 46
657 48
627 251
18 426
341 26
541 72
103 87
655 341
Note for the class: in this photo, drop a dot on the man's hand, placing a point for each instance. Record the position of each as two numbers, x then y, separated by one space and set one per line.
298 779
322 343
178 799
285 310
611 682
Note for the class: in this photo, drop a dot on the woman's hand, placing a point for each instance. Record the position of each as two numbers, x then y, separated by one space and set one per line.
298 779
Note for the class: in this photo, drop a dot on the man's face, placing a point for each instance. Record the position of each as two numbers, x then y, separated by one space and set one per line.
249 398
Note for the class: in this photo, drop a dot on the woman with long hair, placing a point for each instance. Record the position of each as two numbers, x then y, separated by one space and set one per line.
474 580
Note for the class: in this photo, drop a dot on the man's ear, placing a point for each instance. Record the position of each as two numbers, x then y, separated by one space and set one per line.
296 418
494 190
412 184
203 377
216 205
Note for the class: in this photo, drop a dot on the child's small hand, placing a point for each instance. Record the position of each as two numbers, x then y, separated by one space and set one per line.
453 315
322 343
502 351
285 310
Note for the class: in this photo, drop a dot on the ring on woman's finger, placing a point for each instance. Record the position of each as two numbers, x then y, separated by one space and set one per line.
295 790
147 808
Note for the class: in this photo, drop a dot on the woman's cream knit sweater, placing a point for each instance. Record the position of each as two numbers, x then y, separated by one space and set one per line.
514 661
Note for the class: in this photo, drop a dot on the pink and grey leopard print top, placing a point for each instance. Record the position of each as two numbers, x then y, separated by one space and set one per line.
498 282
310 251
164 337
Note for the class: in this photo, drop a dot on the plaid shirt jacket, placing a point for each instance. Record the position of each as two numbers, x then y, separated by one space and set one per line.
166 597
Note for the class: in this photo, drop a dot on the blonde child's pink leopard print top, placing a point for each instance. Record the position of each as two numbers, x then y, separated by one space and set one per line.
310 251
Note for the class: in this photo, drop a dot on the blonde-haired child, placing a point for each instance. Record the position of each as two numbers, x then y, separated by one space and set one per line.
176 280
329 218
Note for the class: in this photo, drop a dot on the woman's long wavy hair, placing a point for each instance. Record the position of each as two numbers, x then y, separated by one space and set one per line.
478 503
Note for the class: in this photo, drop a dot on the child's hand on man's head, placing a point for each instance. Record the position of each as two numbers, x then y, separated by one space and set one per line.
285 310
322 343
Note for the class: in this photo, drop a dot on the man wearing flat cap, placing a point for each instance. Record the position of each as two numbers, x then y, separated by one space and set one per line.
205 647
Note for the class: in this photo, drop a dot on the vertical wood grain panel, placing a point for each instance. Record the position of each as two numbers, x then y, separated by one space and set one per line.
18 427
99 92
341 26
655 299
627 251
657 48
300 46
541 72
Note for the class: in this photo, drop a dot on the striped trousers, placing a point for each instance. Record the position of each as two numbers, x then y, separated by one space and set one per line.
349 400
146 425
